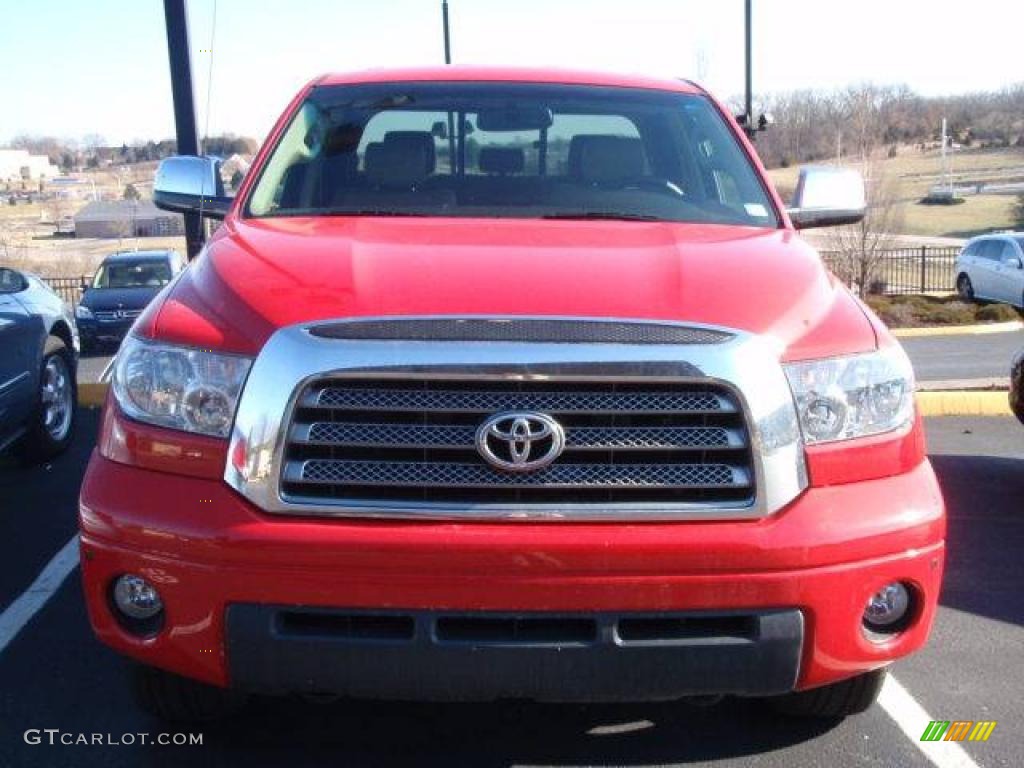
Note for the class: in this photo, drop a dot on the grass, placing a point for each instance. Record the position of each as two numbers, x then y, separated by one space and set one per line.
916 311
73 257
975 215
917 172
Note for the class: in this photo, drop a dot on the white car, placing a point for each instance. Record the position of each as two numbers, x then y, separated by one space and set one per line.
991 267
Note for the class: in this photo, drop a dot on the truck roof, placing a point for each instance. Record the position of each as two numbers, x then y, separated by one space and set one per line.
508 74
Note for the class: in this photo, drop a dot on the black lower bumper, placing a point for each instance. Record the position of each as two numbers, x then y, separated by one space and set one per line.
451 656
103 333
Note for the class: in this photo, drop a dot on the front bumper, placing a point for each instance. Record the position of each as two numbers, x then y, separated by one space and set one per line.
102 332
228 572
457 656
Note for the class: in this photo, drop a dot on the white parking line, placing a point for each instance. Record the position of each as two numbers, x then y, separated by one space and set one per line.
29 602
912 720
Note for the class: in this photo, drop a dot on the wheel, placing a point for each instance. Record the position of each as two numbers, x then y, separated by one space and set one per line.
171 697
847 697
965 288
53 419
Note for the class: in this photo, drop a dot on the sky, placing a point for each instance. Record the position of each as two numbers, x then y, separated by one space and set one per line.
74 67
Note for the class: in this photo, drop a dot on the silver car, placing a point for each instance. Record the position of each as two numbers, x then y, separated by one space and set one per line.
991 267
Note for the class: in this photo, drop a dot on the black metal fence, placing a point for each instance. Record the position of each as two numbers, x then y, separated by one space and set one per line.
923 269
68 288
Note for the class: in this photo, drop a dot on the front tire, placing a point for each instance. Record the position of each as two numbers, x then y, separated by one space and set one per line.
53 419
847 697
173 698
965 288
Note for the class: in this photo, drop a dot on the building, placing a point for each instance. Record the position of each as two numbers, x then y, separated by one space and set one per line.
19 165
126 218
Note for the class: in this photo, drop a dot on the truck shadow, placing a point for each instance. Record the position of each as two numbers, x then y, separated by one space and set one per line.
505 733
985 502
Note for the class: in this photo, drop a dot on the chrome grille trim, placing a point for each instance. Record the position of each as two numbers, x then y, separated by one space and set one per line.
519 329
561 402
327 433
294 359
437 475
108 315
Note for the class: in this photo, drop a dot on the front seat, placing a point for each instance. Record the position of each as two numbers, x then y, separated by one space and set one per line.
605 160
396 169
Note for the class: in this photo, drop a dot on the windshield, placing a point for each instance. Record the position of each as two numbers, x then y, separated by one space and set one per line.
510 150
133 274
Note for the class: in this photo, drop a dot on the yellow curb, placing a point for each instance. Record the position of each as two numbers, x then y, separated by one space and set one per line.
963 404
90 394
957 330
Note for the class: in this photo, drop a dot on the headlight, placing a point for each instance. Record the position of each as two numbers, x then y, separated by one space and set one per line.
178 387
83 313
844 397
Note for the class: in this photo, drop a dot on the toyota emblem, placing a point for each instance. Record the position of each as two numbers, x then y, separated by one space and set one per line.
520 441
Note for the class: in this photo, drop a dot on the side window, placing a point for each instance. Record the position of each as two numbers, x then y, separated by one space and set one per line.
11 281
1007 252
990 250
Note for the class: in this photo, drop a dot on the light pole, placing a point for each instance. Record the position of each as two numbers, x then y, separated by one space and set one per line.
176 21
447 38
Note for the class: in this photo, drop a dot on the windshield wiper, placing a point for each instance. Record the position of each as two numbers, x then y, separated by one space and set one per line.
610 215
367 212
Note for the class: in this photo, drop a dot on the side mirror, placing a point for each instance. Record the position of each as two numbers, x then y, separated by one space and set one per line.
189 184
827 197
1014 263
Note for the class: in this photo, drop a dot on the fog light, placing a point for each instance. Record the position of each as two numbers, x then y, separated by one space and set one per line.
136 598
887 609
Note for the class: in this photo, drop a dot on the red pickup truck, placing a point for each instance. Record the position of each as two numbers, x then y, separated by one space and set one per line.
500 383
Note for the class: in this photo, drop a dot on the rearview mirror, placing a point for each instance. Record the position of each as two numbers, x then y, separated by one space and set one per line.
189 184
827 197
514 117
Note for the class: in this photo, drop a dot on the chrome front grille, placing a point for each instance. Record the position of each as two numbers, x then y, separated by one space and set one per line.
387 441
112 315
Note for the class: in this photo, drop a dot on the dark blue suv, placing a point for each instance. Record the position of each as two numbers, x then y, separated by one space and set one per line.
38 362
121 288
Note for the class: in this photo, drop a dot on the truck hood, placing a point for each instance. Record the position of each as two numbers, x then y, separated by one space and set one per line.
259 275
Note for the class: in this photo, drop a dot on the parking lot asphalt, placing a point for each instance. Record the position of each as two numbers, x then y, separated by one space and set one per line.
981 356
53 674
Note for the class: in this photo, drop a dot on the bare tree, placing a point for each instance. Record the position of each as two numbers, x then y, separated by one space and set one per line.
56 208
860 248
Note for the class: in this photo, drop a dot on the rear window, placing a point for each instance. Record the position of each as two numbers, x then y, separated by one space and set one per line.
134 274
510 150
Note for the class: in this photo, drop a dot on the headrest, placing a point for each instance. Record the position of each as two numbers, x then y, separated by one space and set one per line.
415 141
398 164
501 160
605 158
342 139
